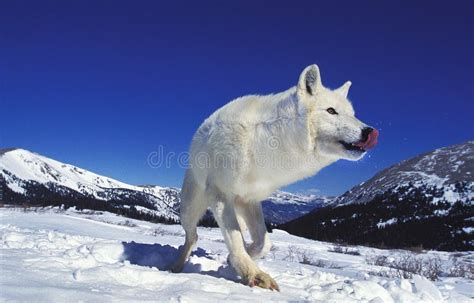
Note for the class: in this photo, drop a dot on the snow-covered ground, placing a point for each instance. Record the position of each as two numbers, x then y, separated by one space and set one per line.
66 256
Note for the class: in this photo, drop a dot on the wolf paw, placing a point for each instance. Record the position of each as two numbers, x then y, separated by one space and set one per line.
262 280
176 267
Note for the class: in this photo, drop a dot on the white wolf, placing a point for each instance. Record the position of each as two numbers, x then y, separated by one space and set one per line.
252 146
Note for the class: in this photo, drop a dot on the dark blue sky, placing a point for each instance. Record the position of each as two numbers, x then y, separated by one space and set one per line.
102 84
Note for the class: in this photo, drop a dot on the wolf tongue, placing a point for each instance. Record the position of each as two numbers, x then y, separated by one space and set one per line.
370 142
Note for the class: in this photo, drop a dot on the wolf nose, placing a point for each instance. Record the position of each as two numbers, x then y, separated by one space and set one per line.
369 138
365 133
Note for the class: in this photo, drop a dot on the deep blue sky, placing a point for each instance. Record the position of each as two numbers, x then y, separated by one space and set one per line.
101 84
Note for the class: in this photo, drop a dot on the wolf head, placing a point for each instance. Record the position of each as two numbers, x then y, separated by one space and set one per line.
338 133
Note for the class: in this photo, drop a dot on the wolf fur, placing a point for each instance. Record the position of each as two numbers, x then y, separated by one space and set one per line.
254 145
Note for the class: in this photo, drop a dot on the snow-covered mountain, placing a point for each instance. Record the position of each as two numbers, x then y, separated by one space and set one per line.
36 179
424 201
449 169
283 206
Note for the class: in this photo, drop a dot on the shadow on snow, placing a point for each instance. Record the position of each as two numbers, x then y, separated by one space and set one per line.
162 256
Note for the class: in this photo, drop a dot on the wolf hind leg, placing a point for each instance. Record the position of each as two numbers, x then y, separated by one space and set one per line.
193 206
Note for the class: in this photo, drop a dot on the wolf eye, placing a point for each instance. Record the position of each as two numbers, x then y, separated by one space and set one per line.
332 111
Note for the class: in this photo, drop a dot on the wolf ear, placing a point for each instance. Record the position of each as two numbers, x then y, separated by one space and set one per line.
310 80
344 89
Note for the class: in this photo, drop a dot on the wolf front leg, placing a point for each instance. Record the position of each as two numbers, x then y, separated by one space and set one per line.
225 216
252 214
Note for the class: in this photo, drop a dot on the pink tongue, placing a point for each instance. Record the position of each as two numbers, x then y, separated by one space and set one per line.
371 140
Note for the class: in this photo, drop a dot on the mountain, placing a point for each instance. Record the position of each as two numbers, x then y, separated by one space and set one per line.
34 179
283 206
442 168
424 201
37 180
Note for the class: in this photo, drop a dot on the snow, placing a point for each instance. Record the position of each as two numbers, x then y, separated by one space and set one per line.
282 197
17 188
468 230
68 256
424 178
441 212
427 289
388 222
